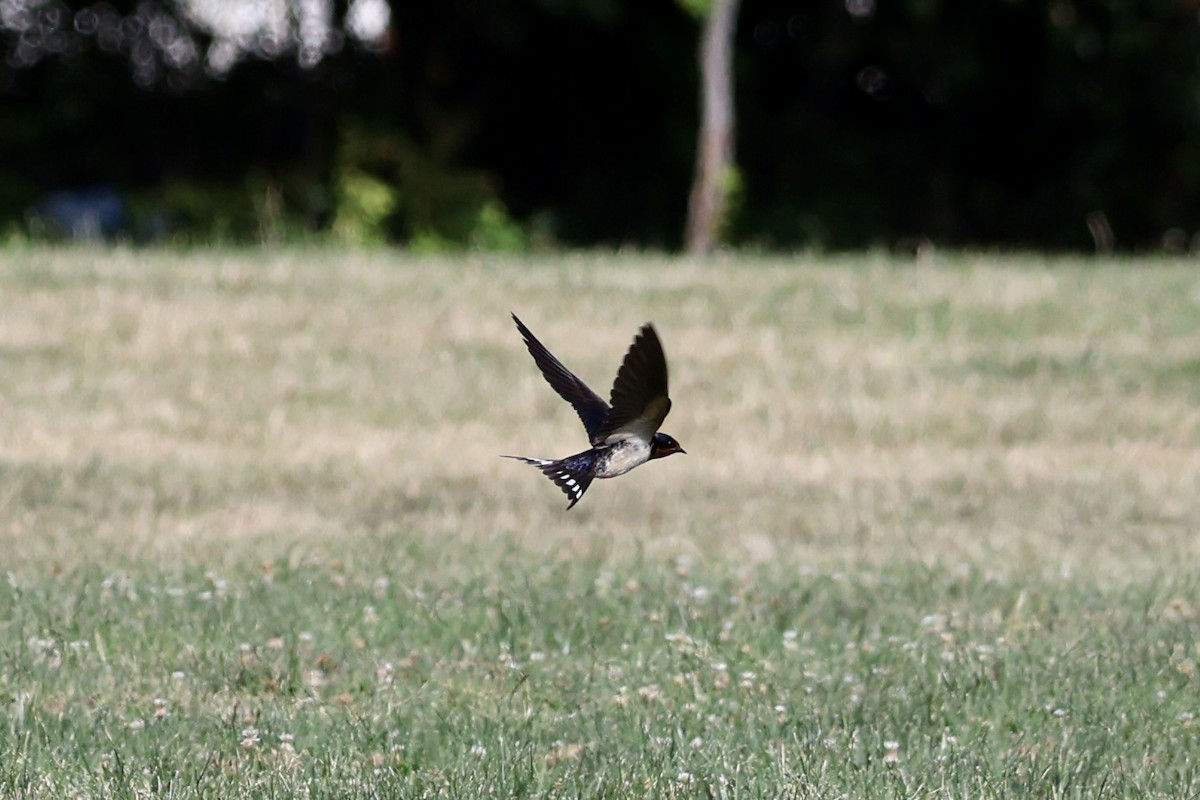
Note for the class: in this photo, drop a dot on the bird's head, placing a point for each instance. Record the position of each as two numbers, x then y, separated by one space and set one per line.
663 445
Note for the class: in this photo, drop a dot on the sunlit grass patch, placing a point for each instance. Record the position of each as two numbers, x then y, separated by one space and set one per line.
934 537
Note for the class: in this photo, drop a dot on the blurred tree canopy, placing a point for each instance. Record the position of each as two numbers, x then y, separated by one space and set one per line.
521 123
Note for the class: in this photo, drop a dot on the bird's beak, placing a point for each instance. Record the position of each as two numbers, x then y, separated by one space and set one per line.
683 451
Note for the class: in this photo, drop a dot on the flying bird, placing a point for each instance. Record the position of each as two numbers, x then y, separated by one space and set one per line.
624 435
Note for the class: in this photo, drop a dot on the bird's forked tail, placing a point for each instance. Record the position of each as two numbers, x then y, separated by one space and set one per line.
572 474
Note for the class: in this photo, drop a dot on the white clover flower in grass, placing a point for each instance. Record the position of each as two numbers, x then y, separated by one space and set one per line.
934 623
650 693
891 753
478 750
505 657
39 646
563 751
251 737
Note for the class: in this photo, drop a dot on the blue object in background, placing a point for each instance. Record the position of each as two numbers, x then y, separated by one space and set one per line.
85 214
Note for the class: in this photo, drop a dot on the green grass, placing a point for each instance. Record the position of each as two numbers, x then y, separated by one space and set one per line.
935 537
573 678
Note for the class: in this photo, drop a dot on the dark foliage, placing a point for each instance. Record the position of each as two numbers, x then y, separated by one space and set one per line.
861 123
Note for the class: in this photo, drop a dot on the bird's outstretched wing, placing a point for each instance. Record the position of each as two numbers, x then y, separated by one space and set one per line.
639 394
590 407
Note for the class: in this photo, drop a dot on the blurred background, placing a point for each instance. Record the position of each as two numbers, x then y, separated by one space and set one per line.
514 125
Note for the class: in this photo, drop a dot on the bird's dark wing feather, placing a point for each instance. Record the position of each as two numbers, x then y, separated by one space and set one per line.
590 407
639 394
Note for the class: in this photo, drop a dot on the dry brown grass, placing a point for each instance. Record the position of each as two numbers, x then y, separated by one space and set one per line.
1004 412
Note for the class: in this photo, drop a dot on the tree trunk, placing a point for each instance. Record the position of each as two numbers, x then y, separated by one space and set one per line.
714 150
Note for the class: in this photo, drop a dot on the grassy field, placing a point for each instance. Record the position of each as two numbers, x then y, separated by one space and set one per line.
936 534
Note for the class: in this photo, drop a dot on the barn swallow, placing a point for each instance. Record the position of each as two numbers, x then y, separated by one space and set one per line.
624 435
